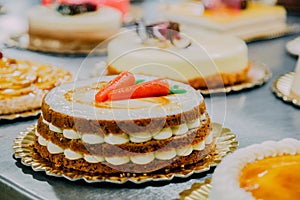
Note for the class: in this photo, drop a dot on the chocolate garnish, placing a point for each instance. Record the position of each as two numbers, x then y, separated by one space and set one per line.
74 9
162 31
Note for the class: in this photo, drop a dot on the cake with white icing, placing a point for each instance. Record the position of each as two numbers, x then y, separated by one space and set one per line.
141 135
254 20
24 84
260 171
71 28
209 61
295 87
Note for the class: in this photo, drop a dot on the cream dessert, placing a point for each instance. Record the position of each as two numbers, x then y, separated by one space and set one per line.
140 135
260 171
71 27
254 20
24 83
210 61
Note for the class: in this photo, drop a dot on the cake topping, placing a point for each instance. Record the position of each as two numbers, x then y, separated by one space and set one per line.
74 9
157 87
122 80
124 86
162 31
231 4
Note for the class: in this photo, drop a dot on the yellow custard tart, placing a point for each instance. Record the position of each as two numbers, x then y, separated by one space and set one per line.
23 84
257 177
264 171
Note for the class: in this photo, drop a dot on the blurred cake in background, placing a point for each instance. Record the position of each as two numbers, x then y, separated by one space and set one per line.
295 88
24 83
261 171
202 59
66 26
245 19
290 5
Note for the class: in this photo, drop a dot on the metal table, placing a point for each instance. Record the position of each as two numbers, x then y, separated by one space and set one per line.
254 115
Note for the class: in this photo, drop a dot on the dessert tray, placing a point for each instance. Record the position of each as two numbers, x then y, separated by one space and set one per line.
198 191
257 76
13 116
282 86
225 143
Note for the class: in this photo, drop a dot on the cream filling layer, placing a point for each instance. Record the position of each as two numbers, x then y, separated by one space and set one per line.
163 134
142 158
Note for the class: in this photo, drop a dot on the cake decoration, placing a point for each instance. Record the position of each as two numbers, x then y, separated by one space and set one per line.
124 86
74 9
163 32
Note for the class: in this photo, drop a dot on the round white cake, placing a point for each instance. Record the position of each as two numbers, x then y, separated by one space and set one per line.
50 30
212 60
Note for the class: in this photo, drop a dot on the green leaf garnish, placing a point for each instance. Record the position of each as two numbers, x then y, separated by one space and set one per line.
176 90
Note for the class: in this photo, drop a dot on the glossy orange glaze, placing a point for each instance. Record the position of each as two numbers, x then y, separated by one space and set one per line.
21 77
273 178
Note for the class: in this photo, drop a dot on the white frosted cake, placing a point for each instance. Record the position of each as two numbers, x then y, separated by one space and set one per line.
71 28
212 60
141 135
255 20
261 171
295 87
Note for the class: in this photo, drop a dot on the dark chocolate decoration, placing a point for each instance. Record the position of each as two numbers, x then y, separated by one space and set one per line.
162 31
74 9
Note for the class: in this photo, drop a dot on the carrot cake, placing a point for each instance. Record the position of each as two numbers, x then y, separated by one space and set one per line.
202 59
245 19
71 27
261 171
95 128
24 83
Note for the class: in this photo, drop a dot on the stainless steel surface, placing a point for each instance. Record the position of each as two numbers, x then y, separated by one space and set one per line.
254 115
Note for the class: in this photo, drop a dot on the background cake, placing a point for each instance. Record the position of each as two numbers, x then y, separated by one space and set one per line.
71 27
295 87
247 20
24 84
261 171
76 132
210 61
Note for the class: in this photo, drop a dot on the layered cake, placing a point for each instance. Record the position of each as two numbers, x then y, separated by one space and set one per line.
155 125
76 27
24 83
261 171
207 61
245 19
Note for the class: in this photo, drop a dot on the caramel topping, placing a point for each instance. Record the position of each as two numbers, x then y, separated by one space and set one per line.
273 178
22 77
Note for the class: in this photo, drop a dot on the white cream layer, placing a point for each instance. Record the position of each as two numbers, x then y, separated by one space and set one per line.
207 55
118 160
103 23
163 134
225 180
